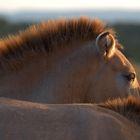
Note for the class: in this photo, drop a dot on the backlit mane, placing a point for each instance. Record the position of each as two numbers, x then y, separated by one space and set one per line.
47 35
128 107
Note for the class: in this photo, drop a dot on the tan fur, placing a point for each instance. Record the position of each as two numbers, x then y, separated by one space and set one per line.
26 121
128 107
45 37
59 62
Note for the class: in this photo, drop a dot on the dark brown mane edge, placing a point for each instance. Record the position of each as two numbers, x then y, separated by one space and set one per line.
128 107
45 36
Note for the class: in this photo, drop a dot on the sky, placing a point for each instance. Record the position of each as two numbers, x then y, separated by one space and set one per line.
16 5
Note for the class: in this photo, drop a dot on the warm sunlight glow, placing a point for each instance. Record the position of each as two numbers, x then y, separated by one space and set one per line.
13 5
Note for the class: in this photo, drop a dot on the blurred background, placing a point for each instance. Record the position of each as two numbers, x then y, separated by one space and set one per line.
122 15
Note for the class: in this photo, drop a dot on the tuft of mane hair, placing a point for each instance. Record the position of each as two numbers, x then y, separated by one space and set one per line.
128 107
46 36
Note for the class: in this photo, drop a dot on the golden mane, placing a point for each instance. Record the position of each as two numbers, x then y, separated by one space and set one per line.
128 107
47 35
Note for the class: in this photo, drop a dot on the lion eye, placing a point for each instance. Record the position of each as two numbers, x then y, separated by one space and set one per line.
130 77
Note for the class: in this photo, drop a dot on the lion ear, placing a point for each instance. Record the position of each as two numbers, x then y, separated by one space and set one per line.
105 44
